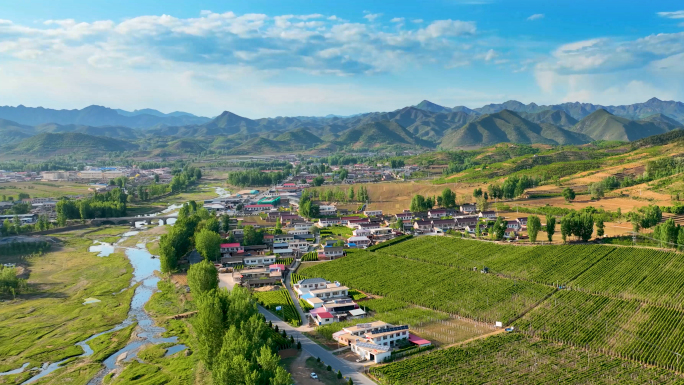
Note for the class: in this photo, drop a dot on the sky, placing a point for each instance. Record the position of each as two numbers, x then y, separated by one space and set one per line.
267 58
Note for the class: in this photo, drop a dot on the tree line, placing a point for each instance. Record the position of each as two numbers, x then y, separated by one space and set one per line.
108 205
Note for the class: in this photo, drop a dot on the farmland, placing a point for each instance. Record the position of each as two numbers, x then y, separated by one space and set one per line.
451 290
516 359
272 299
544 264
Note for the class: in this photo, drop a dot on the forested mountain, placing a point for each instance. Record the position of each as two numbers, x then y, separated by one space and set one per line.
66 142
602 125
427 125
92 116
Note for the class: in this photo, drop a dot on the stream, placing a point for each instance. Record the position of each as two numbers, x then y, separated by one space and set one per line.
144 266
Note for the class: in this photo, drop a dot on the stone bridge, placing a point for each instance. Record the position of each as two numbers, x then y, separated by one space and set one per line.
132 220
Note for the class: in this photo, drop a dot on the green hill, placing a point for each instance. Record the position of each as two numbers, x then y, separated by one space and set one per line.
13 132
558 118
427 105
299 136
64 142
118 132
507 126
602 125
379 134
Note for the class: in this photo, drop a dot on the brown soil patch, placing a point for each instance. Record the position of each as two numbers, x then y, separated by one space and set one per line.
285 353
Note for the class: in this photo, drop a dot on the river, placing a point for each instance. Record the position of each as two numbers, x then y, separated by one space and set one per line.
144 266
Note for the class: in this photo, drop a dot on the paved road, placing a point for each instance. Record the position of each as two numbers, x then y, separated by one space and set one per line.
348 369
288 287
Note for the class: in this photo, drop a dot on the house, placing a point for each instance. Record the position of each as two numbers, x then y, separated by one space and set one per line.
444 224
372 213
422 225
361 232
515 225
468 208
259 260
231 248
437 213
330 253
353 223
299 232
327 210
288 252
488 215
283 238
324 318
373 341
214 207
360 241
522 221
510 233
258 208
461 223
368 226
300 244
325 222
406 215
305 285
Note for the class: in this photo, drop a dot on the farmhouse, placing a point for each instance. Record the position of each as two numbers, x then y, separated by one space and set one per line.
404 216
258 208
422 225
372 213
360 241
488 215
468 208
327 210
329 253
444 224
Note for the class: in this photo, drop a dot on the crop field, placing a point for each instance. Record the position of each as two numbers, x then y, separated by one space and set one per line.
543 264
516 359
647 275
271 299
649 334
484 297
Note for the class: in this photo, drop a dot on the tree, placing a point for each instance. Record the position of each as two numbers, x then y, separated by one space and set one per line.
568 194
208 244
350 381
156 178
350 193
499 229
482 204
252 236
596 190
566 227
225 223
398 224
619 214
202 277
209 326
448 198
550 227
212 224
477 193
278 227
533 227
339 374
318 181
343 174
600 227
418 203
167 257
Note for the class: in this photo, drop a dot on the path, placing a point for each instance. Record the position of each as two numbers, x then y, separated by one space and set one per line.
348 369
499 331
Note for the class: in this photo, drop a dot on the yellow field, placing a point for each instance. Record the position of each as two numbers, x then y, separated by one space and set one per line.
38 189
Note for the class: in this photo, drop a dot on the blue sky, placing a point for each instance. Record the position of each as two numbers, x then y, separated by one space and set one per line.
263 58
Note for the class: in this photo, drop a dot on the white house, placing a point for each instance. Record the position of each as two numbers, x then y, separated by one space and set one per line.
361 232
360 242
488 215
327 210
372 213
259 260
468 208
305 285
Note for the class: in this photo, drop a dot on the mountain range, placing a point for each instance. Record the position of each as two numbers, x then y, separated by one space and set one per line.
425 125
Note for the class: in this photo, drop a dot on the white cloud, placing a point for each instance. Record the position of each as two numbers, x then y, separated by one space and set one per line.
417 21
397 20
372 16
536 16
491 54
672 15
449 28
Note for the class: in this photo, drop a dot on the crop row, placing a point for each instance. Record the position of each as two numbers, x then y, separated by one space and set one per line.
272 299
543 264
516 359
649 334
469 294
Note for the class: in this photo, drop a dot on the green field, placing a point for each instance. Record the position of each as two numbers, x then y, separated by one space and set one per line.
43 324
272 299
516 359
452 290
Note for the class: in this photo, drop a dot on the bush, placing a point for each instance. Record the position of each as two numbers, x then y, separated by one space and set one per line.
329 368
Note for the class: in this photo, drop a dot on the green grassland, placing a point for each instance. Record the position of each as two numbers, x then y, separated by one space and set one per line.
43 324
38 189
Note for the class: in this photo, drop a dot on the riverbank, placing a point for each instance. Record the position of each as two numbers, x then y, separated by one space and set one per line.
43 325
